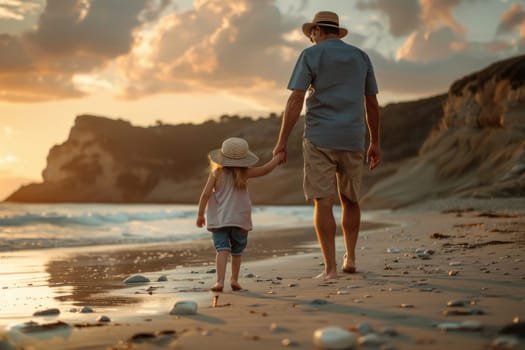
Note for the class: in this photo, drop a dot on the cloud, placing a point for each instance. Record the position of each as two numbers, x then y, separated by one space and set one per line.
437 13
403 15
241 46
16 9
71 37
512 19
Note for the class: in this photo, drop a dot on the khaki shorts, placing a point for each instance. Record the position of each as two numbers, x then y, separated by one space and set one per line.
327 170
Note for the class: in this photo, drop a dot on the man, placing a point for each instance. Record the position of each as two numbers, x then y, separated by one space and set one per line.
341 82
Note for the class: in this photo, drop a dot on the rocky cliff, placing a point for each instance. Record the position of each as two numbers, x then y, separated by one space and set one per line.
105 160
478 149
469 142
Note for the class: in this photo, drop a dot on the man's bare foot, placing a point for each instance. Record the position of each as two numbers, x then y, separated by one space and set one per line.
327 276
217 287
348 264
236 286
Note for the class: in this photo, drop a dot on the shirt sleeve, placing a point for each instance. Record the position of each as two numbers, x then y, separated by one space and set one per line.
301 76
371 83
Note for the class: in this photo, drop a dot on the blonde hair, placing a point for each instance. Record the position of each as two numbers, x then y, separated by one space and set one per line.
238 173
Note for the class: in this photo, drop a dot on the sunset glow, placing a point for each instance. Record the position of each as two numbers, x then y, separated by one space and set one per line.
183 61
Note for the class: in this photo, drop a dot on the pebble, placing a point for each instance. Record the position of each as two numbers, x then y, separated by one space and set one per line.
455 303
333 338
184 307
455 263
103 319
364 328
47 312
211 271
406 306
86 310
453 272
423 256
393 250
448 326
162 278
505 342
288 342
249 275
371 339
275 328
136 279
342 292
471 325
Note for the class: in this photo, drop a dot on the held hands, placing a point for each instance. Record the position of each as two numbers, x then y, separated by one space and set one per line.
373 156
279 149
280 157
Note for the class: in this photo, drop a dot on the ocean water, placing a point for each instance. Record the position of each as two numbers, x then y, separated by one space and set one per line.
40 226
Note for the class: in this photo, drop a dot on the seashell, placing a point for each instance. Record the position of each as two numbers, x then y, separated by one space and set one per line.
333 338
184 307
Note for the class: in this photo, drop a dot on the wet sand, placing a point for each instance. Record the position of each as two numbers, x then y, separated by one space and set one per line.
409 270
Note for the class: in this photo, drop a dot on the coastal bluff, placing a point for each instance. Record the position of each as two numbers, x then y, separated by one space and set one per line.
469 142
478 148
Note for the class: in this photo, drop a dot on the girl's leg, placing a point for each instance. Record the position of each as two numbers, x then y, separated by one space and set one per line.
221 260
236 267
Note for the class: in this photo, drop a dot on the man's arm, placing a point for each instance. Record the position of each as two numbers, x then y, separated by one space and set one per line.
372 119
294 106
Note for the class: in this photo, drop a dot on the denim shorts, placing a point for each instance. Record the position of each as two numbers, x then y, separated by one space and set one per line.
230 238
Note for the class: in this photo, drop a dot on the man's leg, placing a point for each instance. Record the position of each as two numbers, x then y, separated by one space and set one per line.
350 222
325 228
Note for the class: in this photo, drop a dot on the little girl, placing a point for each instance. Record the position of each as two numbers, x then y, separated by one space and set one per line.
228 208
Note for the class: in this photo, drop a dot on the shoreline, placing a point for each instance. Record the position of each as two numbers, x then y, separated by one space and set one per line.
401 296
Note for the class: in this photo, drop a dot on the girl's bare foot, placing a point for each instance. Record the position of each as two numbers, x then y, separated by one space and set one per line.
327 276
217 287
236 286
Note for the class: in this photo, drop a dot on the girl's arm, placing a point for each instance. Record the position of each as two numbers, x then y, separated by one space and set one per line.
266 168
203 201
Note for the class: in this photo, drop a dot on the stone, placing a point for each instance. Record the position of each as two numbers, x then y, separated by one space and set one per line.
370 339
47 312
393 250
86 310
162 278
333 338
455 303
471 325
288 342
184 307
448 326
505 342
364 328
275 328
249 275
136 279
211 270
104 319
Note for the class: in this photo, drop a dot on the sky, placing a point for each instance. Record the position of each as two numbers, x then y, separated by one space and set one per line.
180 61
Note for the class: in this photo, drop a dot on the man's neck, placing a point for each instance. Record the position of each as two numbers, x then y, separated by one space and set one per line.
328 37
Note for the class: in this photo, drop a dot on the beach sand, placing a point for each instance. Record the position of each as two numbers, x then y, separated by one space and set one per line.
410 267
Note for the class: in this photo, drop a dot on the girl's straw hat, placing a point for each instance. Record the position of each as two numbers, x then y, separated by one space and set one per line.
234 152
327 19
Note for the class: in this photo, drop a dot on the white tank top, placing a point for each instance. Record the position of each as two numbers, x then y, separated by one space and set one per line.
227 205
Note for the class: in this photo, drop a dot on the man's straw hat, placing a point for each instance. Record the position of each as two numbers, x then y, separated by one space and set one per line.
235 153
327 19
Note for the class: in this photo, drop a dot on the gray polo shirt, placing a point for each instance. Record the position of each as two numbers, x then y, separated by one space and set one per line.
338 76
